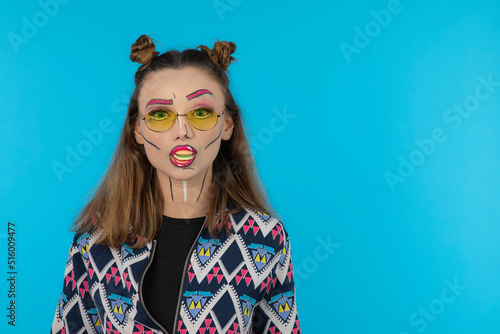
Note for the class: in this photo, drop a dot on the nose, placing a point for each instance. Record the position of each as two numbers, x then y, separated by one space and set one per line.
182 129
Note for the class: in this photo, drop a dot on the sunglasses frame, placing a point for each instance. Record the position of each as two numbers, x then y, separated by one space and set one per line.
176 115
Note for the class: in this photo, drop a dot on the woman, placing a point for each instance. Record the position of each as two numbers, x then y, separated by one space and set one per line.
176 238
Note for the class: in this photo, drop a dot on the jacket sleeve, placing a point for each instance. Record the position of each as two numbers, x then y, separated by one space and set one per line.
76 311
278 311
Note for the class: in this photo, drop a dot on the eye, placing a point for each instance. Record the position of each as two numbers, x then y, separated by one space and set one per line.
202 113
159 115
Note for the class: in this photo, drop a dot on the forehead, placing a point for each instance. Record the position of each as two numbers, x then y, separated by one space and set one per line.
179 82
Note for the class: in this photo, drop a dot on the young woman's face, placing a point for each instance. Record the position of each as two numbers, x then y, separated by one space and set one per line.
187 148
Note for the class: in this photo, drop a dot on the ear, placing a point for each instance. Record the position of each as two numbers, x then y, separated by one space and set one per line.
227 130
138 132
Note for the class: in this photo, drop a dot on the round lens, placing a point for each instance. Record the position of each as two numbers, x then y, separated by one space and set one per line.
202 118
159 119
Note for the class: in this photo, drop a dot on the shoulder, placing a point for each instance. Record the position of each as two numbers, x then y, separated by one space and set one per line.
258 228
88 256
87 244
83 243
84 240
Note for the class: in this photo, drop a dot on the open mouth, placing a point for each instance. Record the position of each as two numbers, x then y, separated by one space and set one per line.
182 156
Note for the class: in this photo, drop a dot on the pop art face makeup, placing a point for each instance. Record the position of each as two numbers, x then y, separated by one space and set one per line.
184 149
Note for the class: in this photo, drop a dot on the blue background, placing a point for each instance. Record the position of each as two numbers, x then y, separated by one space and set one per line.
414 253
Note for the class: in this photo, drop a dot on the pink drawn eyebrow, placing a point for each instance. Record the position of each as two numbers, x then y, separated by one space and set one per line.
198 93
159 101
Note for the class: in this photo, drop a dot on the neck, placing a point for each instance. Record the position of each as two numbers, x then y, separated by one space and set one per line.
186 199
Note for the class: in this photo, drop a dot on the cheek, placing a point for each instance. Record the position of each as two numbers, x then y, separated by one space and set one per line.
213 141
209 147
155 151
154 156
151 143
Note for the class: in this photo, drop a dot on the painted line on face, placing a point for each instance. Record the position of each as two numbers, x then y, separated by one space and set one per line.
213 141
150 142
171 192
159 101
186 131
202 184
184 189
197 93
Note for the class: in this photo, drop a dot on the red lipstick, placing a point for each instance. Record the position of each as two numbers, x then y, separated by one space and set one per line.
182 155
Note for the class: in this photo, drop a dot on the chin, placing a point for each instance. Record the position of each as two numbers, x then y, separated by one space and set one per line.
184 173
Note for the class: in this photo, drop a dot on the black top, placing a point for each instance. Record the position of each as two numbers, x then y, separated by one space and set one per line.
162 282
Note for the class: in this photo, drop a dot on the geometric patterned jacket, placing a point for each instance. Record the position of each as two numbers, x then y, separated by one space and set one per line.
242 283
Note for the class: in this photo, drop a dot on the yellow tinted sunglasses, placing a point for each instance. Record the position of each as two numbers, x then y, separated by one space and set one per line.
162 119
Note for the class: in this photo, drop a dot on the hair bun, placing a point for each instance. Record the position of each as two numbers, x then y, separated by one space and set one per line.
143 51
220 54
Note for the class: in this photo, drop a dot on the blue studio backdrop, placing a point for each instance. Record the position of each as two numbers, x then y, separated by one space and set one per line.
375 126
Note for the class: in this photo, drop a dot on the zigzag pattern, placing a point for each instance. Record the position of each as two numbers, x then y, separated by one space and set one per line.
257 276
241 283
